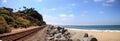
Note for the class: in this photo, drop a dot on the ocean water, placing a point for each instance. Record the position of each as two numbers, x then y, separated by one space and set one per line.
98 28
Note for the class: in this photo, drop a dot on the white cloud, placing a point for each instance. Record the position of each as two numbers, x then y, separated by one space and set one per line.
61 19
49 9
68 6
62 15
101 12
110 1
97 0
50 19
66 16
85 1
84 13
53 9
4 1
39 0
64 19
71 15
73 4
106 4
48 16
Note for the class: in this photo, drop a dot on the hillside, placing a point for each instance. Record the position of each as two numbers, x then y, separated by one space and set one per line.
20 19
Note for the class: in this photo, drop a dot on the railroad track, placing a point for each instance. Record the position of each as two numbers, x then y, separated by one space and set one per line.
21 36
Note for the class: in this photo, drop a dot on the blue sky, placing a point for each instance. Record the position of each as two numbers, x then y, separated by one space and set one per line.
72 12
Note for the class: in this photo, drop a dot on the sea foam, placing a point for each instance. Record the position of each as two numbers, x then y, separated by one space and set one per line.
93 30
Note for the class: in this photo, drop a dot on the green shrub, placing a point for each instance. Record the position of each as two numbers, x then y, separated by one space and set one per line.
24 18
38 23
14 24
4 11
22 22
3 25
8 19
33 13
43 23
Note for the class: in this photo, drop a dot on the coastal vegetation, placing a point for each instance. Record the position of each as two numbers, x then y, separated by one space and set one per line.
21 18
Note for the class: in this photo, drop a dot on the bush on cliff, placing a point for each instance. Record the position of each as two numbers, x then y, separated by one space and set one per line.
21 18
8 19
32 13
23 22
4 11
3 25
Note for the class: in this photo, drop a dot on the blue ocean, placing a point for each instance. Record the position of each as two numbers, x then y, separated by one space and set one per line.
100 28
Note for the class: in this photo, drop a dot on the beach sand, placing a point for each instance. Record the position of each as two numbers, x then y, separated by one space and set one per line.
101 36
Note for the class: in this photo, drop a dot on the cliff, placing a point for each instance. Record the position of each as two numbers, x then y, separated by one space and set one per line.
21 18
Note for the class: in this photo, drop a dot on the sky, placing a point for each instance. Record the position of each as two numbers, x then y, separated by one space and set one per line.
72 12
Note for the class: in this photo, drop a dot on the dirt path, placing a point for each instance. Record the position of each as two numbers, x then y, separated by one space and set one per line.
39 36
19 30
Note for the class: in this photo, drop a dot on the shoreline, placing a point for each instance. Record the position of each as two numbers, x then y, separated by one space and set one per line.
101 36
94 30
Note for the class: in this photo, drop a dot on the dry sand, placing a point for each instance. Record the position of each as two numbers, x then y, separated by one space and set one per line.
22 29
18 30
101 36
